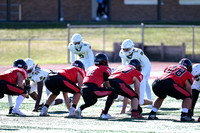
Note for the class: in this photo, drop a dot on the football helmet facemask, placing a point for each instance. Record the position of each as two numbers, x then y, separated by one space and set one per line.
77 41
127 47
30 65
136 64
20 64
187 63
101 59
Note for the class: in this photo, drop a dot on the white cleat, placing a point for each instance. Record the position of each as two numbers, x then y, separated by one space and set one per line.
78 113
106 116
72 112
44 111
17 112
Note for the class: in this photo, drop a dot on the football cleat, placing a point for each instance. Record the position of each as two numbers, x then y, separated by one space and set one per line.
17 112
186 117
44 111
40 106
10 110
152 116
106 116
72 112
135 114
78 113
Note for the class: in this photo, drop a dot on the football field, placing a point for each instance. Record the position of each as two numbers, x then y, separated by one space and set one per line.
58 121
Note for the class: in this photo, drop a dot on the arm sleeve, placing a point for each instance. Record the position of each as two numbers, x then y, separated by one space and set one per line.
72 55
91 57
123 58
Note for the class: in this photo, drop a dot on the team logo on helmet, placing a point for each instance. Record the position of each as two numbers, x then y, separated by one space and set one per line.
20 64
101 59
136 64
187 63
78 63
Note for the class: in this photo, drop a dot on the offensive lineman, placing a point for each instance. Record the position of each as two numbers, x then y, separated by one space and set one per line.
66 80
11 83
176 82
92 86
129 52
82 49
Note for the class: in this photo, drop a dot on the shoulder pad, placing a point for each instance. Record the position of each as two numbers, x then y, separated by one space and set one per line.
139 51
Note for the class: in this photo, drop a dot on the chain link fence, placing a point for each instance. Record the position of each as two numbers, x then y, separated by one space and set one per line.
102 38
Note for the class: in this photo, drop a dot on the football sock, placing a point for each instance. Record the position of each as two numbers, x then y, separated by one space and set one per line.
154 109
19 100
10 101
185 110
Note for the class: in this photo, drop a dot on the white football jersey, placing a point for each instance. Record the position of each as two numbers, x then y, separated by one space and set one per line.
38 75
85 54
196 85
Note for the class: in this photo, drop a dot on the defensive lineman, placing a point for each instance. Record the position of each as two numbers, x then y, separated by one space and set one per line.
37 77
195 86
82 49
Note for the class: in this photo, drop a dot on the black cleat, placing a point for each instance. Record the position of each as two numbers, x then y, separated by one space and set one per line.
10 110
152 116
186 117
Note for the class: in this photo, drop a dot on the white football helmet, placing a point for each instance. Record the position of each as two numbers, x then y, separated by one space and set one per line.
196 71
77 41
30 65
127 47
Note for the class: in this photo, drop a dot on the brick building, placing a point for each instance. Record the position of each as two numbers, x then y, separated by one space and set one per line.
85 10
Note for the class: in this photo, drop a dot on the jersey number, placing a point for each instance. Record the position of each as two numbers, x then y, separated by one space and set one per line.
180 72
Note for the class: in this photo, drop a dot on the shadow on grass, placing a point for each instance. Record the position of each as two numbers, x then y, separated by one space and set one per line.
169 109
58 112
2 129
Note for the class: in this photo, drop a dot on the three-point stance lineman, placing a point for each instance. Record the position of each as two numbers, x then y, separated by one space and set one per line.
65 80
120 80
92 90
175 82
11 83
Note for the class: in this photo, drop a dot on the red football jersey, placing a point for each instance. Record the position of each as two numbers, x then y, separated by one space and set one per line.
71 73
178 73
95 74
11 75
126 74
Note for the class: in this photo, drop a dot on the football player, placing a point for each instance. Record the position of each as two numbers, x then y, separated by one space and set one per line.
65 80
11 83
195 86
92 89
36 78
82 49
176 82
129 52
125 76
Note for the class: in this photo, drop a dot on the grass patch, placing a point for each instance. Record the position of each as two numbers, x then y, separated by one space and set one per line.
55 51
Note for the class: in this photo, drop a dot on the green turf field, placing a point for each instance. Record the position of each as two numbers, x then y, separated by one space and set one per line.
58 121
